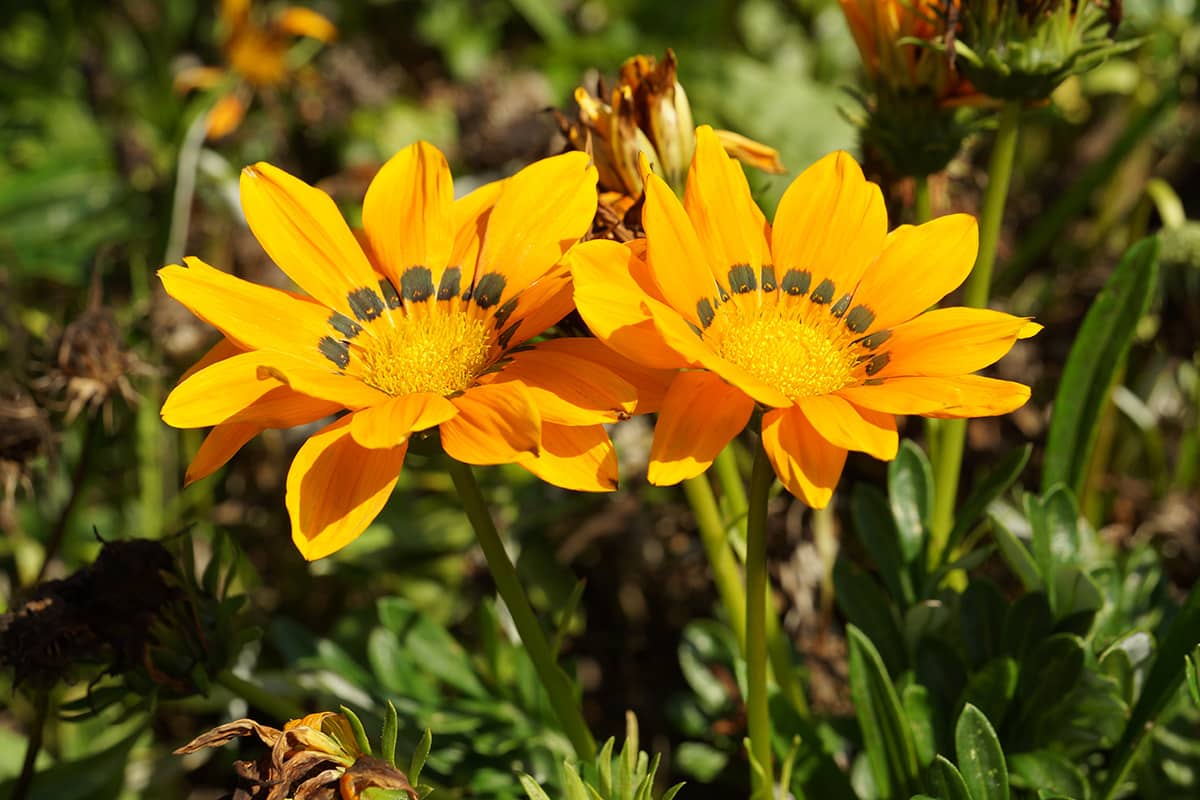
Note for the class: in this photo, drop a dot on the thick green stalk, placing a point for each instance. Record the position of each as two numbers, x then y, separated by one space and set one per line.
949 450
508 585
922 203
757 711
258 697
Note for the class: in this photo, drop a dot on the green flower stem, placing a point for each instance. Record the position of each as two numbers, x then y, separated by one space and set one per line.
557 684
949 449
757 711
922 203
727 573
258 697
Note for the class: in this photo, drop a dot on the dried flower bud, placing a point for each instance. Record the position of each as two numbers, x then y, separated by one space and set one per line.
25 434
647 114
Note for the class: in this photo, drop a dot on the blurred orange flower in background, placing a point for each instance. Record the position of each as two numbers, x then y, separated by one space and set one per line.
818 319
256 56
420 322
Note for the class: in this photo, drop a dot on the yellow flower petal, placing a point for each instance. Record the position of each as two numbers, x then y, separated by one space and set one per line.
335 488
220 445
390 423
831 223
567 387
950 341
305 22
731 228
408 215
226 115
678 261
948 396
650 383
496 424
471 216
579 458
303 232
543 210
843 425
807 465
751 153
700 415
252 316
917 268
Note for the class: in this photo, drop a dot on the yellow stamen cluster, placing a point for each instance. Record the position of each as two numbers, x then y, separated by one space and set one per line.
787 352
437 352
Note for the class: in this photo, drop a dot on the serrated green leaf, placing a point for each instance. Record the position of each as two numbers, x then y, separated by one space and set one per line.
980 757
886 731
910 494
1097 357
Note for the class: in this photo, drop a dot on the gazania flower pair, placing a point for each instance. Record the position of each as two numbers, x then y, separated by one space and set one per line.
421 322
424 322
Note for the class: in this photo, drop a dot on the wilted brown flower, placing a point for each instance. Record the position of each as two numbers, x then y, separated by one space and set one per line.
646 114
101 614
25 434
91 363
313 758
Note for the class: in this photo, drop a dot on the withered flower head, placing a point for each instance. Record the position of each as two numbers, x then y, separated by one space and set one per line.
313 758
25 434
101 614
91 364
646 114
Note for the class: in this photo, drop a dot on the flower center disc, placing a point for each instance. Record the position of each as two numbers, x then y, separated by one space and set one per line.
440 353
788 353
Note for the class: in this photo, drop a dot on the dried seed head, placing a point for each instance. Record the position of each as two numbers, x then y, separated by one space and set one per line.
25 434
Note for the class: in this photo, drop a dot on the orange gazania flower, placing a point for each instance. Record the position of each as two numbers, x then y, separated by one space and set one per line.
817 319
257 58
421 325
879 26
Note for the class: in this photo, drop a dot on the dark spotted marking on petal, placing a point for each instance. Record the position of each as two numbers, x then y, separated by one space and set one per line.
504 312
450 281
365 303
390 294
416 284
878 362
344 325
796 281
839 308
742 279
768 278
823 293
488 289
704 310
695 330
859 318
336 351
507 335
724 295
875 339
873 382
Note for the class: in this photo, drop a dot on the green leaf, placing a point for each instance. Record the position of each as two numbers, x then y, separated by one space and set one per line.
1027 622
1015 554
1161 684
920 721
948 781
886 731
910 493
701 761
419 756
532 790
387 741
876 529
981 615
1048 674
1193 675
1096 359
867 606
360 733
992 688
980 757
994 483
1048 770
99 776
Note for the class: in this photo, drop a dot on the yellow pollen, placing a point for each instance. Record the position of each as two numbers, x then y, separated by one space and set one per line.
438 352
784 351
